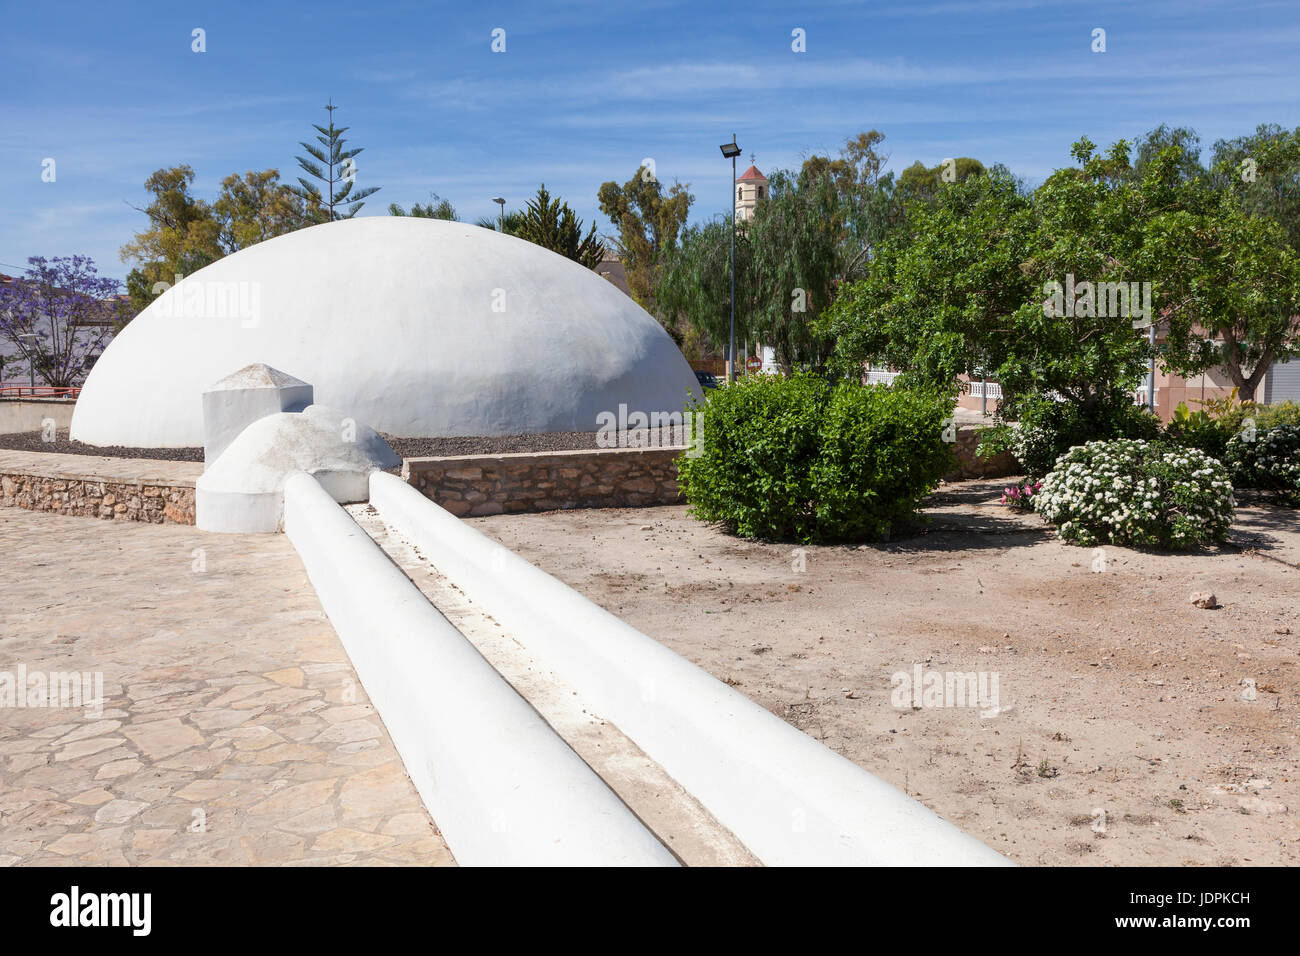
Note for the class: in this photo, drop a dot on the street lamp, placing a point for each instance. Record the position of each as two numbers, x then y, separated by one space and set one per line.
502 203
731 151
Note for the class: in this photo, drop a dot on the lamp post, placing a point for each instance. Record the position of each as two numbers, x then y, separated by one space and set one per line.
502 218
731 151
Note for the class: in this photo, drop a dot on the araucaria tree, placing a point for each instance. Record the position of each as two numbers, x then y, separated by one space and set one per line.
336 169
551 223
59 314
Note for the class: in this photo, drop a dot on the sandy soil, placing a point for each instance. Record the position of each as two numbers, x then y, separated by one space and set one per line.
1122 732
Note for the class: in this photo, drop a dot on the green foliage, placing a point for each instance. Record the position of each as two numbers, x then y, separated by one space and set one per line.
1229 285
508 222
794 458
940 291
695 283
917 182
882 451
795 240
552 224
1267 459
963 284
1271 416
648 219
435 208
333 166
186 233
1213 425
1049 429
1199 429
1270 185
1137 494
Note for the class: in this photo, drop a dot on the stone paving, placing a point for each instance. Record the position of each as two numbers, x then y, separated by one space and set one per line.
233 729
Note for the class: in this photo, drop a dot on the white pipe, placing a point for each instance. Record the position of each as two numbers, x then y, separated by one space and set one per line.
788 798
501 785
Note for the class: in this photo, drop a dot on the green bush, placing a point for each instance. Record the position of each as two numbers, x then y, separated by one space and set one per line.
1283 413
1137 493
793 458
1211 427
1048 429
1267 460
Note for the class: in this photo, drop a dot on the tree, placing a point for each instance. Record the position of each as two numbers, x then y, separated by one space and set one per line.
870 201
695 285
1230 288
183 235
920 182
255 208
334 166
815 228
1263 171
69 308
1181 138
435 208
941 290
508 222
648 220
186 233
550 223
796 240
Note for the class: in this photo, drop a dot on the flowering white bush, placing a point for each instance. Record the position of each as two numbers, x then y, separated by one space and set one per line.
1144 494
1268 460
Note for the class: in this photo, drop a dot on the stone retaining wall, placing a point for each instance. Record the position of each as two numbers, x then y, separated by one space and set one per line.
120 489
473 485
158 504
971 465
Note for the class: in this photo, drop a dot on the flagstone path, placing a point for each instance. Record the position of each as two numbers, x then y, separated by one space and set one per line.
233 729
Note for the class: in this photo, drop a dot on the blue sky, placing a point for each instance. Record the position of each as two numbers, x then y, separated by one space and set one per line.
585 91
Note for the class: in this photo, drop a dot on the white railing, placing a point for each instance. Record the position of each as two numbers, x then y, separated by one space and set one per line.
1140 397
985 390
881 377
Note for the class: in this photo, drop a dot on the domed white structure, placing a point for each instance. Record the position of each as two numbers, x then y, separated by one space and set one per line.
418 327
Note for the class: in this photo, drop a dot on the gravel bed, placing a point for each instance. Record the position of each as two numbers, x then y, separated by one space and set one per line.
405 447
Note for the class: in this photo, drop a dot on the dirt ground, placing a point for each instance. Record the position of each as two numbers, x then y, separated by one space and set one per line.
1129 726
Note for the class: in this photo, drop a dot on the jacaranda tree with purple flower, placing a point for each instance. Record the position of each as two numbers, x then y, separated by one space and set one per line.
60 313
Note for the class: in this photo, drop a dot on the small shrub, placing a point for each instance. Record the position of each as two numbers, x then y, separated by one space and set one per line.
882 451
1283 413
1137 493
793 458
1048 429
1267 460
1020 497
1212 426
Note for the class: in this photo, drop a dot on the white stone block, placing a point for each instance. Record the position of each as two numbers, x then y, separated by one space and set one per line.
241 398
243 490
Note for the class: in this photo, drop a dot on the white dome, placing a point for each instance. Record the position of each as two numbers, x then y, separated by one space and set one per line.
419 327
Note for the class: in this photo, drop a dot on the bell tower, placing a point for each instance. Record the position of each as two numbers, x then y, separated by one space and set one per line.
751 189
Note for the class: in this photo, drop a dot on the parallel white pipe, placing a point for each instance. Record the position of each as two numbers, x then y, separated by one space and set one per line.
502 786
788 798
